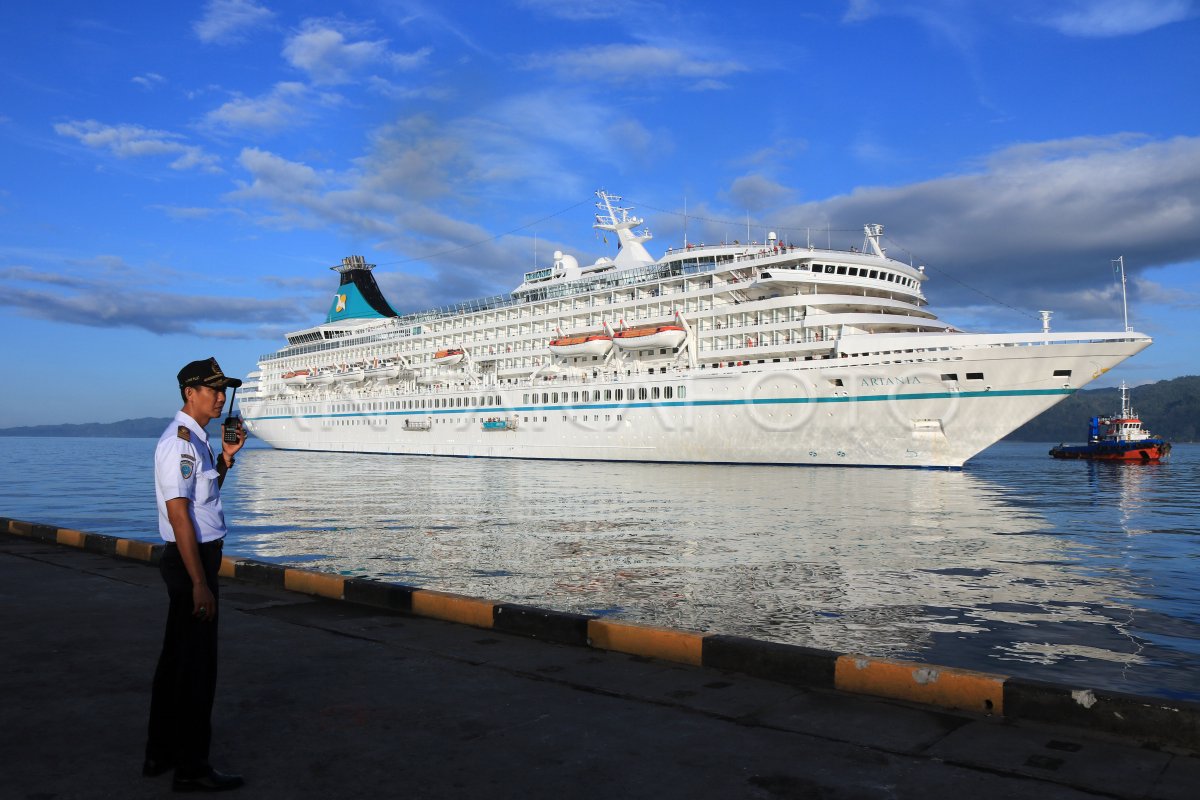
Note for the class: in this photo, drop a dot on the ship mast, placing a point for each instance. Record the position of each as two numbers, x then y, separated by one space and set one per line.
1126 408
871 236
1120 262
615 219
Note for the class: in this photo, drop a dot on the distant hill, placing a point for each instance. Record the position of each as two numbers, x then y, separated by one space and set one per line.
141 428
1170 409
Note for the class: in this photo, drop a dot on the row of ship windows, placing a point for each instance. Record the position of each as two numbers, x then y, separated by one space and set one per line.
971 376
375 422
486 401
855 272
640 393
662 351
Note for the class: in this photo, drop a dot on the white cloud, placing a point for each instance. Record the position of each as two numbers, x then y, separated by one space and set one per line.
230 21
757 192
394 195
394 91
275 176
587 11
1036 225
867 147
1154 294
961 23
119 298
859 10
321 49
1106 18
191 212
642 62
777 154
538 135
288 104
417 158
134 141
409 61
149 81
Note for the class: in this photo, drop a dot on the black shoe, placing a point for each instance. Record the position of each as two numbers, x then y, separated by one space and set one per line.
211 781
153 767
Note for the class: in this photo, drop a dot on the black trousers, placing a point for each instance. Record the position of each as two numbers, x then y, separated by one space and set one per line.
186 678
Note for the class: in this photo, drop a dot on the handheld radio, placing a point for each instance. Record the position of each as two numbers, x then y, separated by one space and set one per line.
229 428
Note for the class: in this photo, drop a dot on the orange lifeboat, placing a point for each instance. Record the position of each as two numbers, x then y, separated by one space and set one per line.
296 378
449 356
589 344
652 336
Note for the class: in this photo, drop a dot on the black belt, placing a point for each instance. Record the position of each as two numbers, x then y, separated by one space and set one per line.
214 544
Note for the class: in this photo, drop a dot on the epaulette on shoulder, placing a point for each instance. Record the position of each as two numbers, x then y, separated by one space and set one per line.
184 433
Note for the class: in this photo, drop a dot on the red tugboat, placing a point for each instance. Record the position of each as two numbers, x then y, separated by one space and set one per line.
1117 438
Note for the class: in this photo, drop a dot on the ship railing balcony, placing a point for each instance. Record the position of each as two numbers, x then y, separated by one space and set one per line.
755 343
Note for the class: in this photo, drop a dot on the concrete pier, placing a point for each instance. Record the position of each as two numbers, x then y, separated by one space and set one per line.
326 698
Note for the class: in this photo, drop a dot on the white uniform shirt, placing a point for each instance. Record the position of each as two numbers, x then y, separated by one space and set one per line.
184 467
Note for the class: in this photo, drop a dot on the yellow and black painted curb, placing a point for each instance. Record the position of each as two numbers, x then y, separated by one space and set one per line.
1150 720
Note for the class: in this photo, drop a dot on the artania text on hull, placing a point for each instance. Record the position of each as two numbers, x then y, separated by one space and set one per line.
764 353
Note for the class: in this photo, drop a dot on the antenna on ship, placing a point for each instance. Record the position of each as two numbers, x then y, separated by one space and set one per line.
1119 261
1126 407
1119 266
685 222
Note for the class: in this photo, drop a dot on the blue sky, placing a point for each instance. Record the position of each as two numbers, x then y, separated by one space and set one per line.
178 177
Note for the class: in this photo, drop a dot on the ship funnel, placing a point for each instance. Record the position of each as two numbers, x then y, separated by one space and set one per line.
358 295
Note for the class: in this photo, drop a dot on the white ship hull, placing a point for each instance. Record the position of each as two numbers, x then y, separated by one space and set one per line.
881 415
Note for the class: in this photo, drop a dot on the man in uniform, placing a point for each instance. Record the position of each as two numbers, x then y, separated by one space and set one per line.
187 482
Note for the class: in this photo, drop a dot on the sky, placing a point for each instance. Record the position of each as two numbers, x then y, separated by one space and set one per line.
177 178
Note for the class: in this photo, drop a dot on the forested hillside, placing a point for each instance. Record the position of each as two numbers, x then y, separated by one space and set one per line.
1170 409
143 427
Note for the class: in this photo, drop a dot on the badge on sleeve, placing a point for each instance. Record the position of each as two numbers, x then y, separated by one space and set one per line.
187 466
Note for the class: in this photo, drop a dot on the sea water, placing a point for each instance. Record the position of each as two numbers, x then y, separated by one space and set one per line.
1069 571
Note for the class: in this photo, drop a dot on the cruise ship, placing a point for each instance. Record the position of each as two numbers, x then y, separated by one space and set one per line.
734 353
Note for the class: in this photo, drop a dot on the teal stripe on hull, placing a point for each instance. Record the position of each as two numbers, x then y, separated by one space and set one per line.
681 404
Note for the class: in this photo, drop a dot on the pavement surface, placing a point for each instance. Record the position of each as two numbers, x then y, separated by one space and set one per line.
318 698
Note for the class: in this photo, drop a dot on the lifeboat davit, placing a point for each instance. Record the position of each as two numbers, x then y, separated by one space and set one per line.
592 344
653 336
448 357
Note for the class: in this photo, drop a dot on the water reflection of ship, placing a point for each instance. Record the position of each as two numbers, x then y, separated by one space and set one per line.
1129 490
839 558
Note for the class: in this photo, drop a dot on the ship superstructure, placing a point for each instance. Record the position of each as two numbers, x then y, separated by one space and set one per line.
755 352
